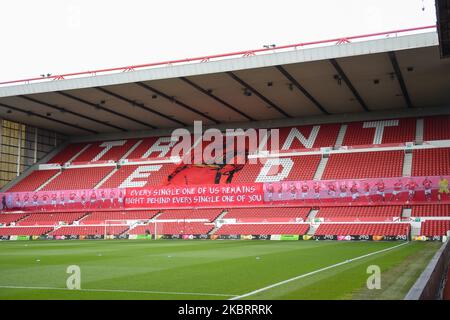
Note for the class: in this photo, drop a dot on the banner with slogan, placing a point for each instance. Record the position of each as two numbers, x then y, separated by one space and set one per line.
193 196
400 189
310 192
83 199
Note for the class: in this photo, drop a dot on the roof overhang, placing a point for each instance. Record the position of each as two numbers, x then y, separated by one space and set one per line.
392 73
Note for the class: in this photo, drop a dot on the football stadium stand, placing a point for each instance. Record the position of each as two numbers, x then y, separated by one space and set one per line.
325 133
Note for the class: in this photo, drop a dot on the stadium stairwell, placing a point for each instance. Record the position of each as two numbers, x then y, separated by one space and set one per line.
321 168
311 215
341 135
419 131
49 181
407 164
109 175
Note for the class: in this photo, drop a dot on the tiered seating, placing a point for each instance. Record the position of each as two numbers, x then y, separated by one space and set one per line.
265 213
67 153
50 219
385 229
436 128
145 145
303 168
431 210
24 231
326 136
364 165
207 214
432 228
100 217
115 153
78 178
7 218
89 230
356 134
155 178
33 181
173 228
374 213
431 162
262 229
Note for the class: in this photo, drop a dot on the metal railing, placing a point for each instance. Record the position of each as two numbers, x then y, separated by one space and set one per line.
202 59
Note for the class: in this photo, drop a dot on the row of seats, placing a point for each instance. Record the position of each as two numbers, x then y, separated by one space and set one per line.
101 217
78 178
68 153
173 228
302 168
429 228
395 131
89 230
264 213
436 128
36 179
50 219
432 228
207 214
431 210
150 175
8 218
432 162
24 231
340 229
359 212
364 165
262 229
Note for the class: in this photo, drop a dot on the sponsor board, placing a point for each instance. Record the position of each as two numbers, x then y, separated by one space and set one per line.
289 237
325 237
229 237
261 237
361 237
141 236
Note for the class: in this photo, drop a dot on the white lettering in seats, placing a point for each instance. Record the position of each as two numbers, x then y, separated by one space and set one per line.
142 172
379 128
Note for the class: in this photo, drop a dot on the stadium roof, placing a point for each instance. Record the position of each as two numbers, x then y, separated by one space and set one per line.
347 75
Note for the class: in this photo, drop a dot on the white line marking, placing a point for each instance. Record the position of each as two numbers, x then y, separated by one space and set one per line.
314 272
120 291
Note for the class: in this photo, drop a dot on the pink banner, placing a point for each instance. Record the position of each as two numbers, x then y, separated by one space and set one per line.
404 190
324 192
214 195
64 200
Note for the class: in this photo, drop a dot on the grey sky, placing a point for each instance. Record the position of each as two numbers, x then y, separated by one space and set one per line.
59 36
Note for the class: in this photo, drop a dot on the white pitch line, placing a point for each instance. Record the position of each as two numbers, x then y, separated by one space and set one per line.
120 291
313 272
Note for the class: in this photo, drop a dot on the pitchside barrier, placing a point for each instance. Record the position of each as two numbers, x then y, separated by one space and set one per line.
430 284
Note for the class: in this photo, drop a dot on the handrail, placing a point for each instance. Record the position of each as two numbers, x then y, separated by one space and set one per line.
201 59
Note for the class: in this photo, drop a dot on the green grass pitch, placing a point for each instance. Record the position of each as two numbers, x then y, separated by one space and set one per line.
204 269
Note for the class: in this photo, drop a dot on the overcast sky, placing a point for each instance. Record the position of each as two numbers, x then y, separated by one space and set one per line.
59 36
